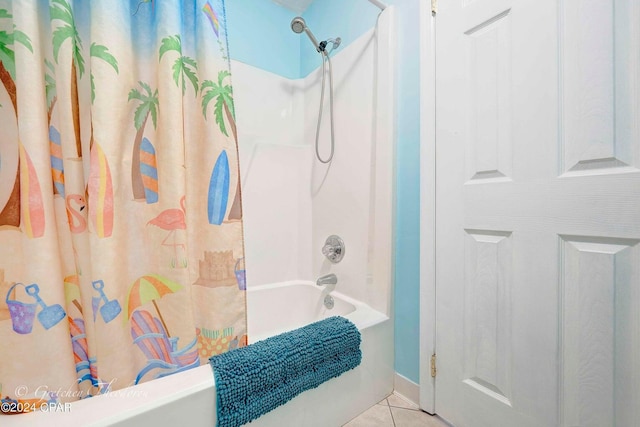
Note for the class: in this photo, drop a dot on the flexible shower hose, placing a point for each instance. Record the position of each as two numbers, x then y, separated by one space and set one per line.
325 57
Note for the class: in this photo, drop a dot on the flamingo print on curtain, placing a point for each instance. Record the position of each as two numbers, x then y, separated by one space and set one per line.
120 210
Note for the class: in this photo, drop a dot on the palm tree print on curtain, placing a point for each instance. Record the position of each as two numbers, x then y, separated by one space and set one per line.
184 68
144 186
223 94
102 87
10 212
60 11
99 185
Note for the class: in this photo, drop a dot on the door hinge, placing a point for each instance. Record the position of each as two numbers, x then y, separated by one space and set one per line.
433 365
434 6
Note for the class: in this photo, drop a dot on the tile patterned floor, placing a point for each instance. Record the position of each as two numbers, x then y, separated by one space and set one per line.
394 411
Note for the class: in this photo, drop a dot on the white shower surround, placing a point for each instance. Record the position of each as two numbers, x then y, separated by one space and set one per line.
292 202
284 231
290 206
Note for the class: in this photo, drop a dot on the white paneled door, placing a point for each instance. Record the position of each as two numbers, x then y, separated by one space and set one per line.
538 213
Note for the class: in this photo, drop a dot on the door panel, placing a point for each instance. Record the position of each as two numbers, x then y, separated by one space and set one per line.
538 212
599 322
487 357
600 107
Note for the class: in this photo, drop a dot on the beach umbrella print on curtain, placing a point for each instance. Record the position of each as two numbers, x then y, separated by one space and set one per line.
149 289
72 292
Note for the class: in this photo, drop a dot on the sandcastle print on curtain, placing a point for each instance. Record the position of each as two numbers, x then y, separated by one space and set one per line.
121 253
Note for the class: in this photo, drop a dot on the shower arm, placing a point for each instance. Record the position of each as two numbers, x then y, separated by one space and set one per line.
378 3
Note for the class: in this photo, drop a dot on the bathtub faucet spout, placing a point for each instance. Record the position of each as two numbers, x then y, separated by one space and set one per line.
328 279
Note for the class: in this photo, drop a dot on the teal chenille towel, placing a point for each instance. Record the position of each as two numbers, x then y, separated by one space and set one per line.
253 380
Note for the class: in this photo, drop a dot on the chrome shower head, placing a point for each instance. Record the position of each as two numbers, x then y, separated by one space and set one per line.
298 26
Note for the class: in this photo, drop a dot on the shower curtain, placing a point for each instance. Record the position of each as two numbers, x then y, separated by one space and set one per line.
121 252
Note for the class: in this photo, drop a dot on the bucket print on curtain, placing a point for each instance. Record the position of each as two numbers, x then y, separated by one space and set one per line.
120 211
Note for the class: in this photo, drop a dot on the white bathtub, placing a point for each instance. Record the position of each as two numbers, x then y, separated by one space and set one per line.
281 307
188 398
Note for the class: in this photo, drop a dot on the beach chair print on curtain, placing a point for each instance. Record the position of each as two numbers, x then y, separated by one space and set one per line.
161 351
85 365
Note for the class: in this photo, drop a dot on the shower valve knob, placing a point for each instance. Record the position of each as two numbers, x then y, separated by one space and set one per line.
333 249
330 252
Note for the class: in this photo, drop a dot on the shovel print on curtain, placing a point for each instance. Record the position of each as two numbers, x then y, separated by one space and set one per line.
23 314
110 309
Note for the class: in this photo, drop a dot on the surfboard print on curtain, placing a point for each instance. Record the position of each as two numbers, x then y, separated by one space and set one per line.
31 197
218 190
55 139
222 92
144 172
100 193
149 170
57 168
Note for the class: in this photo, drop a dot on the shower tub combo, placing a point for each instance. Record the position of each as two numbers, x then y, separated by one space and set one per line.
189 398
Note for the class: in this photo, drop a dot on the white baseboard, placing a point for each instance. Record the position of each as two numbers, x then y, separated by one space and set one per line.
407 389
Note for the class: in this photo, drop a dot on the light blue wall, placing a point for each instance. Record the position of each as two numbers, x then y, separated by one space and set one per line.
347 19
407 231
350 19
260 35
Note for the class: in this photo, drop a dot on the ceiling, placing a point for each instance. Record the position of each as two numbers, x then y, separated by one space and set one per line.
297 6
